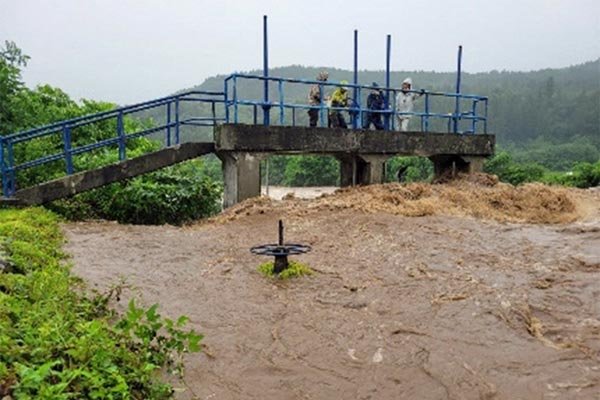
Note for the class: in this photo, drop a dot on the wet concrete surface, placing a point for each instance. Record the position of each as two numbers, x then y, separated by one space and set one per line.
431 307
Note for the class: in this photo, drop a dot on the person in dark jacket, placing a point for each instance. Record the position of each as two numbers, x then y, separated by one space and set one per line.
375 103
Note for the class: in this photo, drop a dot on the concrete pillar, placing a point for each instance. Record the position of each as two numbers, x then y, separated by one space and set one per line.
364 169
241 176
448 166
347 170
372 169
475 163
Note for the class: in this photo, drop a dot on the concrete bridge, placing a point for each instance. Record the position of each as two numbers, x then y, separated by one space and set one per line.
362 155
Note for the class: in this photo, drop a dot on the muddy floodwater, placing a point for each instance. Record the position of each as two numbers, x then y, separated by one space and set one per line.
419 307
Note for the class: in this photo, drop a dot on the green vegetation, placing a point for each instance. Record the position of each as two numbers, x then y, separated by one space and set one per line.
295 269
175 195
582 175
57 343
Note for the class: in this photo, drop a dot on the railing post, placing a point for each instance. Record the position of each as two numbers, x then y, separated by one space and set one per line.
358 108
66 131
457 105
486 117
121 134
322 109
281 108
254 114
214 113
355 117
11 184
168 133
266 106
388 51
177 120
293 117
235 102
225 99
474 112
426 112
393 111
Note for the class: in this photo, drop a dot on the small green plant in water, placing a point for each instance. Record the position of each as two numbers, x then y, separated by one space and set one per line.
293 270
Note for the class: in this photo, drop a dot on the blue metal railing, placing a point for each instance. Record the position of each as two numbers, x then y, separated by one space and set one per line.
232 101
63 130
356 109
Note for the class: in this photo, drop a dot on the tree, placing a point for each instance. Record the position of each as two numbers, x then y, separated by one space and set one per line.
11 61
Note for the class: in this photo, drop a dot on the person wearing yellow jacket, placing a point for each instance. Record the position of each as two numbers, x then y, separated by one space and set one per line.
338 99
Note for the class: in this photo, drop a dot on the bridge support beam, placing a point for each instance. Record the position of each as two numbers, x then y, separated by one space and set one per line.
364 169
449 165
241 175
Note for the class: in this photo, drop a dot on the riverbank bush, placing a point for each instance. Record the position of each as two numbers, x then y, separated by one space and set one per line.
57 342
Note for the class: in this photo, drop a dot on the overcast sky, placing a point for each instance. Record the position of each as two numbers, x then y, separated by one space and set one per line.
127 51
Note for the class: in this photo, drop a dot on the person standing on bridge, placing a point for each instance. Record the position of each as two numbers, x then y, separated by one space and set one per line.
375 103
339 99
405 103
314 98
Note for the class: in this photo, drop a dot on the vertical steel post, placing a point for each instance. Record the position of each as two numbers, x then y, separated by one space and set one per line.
225 99
67 149
388 52
457 105
426 112
474 115
293 117
177 120
355 81
11 176
266 106
235 102
486 117
322 109
281 108
121 134
280 241
168 133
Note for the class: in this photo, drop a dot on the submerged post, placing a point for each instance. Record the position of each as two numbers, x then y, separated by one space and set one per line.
355 81
457 104
388 51
266 107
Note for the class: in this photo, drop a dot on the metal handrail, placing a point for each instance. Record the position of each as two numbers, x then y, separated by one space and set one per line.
356 109
64 128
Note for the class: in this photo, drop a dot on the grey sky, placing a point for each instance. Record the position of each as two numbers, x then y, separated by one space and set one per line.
126 50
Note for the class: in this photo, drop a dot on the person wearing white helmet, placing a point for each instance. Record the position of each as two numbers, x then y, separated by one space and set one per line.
405 103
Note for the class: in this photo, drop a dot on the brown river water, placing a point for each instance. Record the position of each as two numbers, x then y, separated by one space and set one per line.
453 301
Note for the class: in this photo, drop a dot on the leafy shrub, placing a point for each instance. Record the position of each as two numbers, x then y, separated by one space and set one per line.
173 195
583 174
58 343
294 269
507 170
